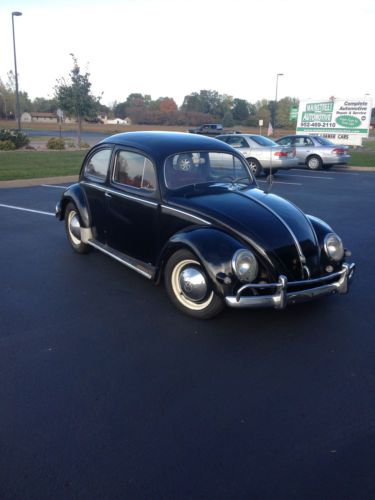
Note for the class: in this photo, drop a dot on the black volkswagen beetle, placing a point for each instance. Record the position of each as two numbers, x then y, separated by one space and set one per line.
185 209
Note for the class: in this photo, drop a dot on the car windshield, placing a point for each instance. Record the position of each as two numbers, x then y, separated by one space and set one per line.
199 168
323 141
262 141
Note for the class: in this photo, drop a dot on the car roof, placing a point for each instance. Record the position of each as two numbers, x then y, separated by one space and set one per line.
162 144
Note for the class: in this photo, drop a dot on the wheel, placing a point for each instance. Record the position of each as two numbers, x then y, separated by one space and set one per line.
255 166
267 171
314 162
73 229
188 287
184 162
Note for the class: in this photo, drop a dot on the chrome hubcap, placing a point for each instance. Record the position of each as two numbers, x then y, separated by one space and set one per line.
193 284
313 163
74 227
190 285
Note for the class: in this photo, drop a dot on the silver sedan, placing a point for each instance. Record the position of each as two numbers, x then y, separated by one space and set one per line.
261 153
316 152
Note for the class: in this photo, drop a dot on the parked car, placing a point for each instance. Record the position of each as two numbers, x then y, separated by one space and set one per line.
211 129
316 152
208 129
186 210
262 153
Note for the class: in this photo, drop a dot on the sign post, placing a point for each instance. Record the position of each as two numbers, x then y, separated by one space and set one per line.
60 116
260 126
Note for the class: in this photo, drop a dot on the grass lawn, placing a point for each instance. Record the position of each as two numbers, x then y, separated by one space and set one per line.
34 164
365 156
362 158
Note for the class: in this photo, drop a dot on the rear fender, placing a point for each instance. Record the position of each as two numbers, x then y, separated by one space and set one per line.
76 195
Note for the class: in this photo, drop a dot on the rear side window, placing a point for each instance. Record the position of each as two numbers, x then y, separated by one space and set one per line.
237 142
134 170
98 164
285 141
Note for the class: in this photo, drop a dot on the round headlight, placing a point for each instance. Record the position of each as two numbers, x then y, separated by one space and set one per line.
333 247
245 265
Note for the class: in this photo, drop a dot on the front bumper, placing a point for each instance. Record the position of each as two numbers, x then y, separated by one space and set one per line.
310 289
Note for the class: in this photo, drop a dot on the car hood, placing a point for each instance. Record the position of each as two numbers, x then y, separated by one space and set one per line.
276 229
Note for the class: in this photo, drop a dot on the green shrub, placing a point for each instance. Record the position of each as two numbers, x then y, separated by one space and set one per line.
7 145
55 143
15 136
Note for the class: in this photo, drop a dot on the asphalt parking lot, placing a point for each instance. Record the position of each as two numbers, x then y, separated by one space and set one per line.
107 392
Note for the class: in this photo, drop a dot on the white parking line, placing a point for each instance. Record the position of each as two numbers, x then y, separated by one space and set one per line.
27 210
311 177
53 186
281 182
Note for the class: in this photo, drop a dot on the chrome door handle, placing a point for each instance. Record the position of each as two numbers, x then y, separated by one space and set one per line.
107 195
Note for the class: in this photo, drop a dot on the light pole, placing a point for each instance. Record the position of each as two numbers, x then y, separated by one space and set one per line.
274 108
15 71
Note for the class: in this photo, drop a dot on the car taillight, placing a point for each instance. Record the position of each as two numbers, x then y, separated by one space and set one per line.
281 153
339 151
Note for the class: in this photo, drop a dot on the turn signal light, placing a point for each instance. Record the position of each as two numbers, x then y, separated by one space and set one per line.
339 151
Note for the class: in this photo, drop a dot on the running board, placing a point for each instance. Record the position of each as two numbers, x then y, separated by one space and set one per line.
146 270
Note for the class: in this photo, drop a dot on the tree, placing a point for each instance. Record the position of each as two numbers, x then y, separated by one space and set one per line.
167 104
43 105
75 96
228 119
283 112
209 102
241 110
8 98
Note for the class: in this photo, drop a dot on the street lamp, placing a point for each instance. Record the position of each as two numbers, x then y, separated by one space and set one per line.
15 71
274 108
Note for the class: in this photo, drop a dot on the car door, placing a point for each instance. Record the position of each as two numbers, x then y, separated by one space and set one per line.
304 146
239 143
93 183
132 206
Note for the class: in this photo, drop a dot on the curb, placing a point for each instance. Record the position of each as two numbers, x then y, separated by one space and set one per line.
37 182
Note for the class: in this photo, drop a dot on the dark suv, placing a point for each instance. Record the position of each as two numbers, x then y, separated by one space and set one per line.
208 129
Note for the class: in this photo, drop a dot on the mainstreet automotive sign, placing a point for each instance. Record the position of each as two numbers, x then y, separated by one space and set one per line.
343 121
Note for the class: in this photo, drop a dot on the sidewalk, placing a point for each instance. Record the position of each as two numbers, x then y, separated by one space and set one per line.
74 178
37 182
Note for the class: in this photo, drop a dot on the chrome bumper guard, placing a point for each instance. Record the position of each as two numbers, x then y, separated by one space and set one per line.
314 288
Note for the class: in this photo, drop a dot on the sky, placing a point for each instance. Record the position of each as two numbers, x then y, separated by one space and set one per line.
171 48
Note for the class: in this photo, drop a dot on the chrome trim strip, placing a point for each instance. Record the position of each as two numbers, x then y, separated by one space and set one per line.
123 195
166 207
123 261
302 258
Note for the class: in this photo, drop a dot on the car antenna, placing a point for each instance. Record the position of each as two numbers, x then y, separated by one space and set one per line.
270 177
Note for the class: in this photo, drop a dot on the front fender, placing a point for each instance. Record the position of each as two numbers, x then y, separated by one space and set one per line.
213 247
76 194
321 228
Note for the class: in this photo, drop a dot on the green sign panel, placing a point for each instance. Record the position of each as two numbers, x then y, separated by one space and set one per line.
293 114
